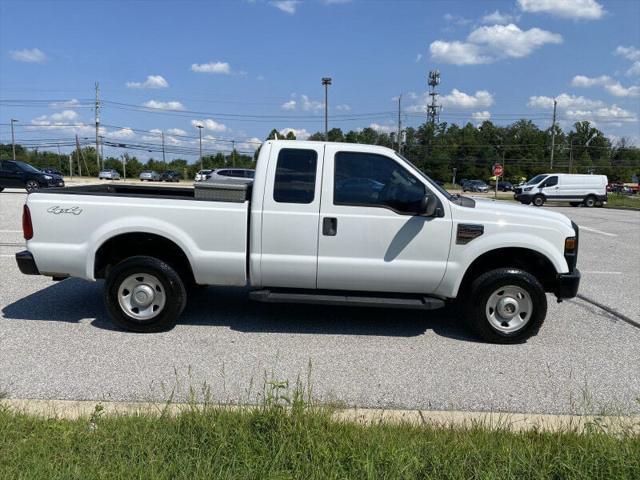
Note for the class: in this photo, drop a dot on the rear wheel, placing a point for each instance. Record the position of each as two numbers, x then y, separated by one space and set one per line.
590 201
144 294
31 185
538 200
506 305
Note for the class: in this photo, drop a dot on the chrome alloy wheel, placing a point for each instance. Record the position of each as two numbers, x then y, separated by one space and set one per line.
141 296
509 308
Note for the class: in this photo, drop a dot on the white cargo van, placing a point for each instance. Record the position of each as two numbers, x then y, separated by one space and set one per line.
589 190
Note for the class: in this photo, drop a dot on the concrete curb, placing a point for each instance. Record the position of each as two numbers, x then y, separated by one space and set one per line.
516 422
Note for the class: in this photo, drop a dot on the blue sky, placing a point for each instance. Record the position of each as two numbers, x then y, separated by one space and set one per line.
241 68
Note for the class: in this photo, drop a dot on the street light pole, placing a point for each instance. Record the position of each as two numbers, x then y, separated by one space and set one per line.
13 139
326 81
200 131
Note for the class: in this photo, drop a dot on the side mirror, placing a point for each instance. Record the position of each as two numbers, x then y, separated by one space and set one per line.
429 206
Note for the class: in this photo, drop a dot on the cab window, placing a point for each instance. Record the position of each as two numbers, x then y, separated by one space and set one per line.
372 180
551 182
295 180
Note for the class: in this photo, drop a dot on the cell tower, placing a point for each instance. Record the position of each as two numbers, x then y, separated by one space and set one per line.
433 110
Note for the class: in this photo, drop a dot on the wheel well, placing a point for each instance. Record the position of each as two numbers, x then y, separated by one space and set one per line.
128 245
525 259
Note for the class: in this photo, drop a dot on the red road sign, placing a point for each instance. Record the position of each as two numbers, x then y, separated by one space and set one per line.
497 170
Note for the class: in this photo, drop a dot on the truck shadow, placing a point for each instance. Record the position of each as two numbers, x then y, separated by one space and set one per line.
74 300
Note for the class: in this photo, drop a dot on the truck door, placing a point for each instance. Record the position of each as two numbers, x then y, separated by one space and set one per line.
370 237
291 210
550 187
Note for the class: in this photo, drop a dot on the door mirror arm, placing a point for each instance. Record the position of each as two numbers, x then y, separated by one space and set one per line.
430 206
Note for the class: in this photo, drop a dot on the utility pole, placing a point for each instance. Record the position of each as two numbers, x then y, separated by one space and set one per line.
13 139
199 127
124 166
553 133
71 165
233 153
326 81
570 155
59 158
433 109
98 124
102 151
163 159
399 124
453 181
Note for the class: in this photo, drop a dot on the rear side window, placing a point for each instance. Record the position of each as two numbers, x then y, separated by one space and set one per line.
295 180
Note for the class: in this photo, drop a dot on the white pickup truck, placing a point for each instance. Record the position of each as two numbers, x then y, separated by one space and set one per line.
331 223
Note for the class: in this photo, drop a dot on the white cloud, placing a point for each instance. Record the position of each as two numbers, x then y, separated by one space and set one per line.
122 133
152 81
457 53
491 43
619 91
301 134
288 6
335 2
383 128
606 114
310 105
343 108
455 100
510 41
630 53
290 105
576 9
610 85
418 57
582 81
28 55
456 20
565 101
250 144
210 124
74 102
212 67
499 18
64 116
176 131
480 117
171 105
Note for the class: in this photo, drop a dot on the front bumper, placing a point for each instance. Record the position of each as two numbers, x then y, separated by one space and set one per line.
567 284
55 183
26 263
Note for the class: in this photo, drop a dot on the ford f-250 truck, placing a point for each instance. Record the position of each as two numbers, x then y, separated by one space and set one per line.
331 223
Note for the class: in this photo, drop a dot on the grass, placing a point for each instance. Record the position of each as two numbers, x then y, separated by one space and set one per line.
617 200
289 438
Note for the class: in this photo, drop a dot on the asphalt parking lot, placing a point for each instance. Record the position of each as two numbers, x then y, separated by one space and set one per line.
56 342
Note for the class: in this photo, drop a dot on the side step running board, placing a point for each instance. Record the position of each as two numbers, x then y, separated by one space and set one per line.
351 299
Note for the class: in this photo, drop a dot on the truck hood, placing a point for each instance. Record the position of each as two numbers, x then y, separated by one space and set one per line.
516 213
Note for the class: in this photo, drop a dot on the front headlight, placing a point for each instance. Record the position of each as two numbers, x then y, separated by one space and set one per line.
528 189
48 177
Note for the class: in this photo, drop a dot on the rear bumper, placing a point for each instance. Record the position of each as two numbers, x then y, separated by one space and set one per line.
26 263
567 284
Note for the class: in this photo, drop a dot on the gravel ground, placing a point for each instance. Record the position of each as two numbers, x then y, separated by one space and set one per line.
56 342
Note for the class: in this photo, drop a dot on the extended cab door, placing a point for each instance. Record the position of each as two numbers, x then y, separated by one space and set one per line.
371 238
290 214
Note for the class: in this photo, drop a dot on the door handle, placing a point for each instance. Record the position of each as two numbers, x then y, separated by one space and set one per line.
329 226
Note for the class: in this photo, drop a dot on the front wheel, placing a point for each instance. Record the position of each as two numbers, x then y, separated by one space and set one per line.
144 294
506 305
538 200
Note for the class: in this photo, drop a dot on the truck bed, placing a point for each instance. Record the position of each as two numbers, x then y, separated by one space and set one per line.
71 224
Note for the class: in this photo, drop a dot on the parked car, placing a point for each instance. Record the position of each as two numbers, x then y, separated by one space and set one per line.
505 186
170 176
619 188
52 171
16 174
202 175
296 234
109 175
231 172
150 176
475 186
589 190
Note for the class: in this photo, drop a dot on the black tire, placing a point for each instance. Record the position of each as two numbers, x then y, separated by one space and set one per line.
590 201
574 204
1 189
525 202
538 200
483 287
31 185
170 282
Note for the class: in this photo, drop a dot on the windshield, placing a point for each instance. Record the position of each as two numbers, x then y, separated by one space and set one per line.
27 167
537 179
427 178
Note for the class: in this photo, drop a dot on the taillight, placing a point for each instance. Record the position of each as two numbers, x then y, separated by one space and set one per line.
27 226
